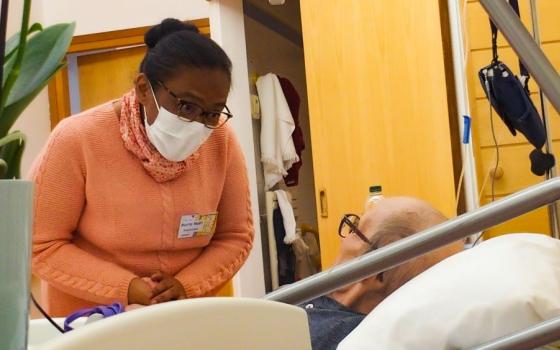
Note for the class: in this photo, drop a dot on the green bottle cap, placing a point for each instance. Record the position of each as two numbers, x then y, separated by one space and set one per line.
374 189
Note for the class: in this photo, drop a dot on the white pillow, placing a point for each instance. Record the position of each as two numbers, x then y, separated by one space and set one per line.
501 286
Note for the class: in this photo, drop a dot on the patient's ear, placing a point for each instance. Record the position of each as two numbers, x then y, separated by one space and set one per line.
375 283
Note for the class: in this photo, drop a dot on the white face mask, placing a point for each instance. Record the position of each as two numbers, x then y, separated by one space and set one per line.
175 139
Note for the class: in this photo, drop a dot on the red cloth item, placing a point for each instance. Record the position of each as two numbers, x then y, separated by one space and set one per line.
293 99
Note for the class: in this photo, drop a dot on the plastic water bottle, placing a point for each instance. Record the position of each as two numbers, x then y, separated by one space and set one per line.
375 195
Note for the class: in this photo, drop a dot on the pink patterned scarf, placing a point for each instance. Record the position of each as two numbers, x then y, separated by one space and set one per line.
136 141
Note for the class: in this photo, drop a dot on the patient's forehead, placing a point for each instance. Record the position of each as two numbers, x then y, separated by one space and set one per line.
385 208
406 208
371 219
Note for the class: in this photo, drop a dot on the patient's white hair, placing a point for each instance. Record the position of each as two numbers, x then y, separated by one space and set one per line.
412 217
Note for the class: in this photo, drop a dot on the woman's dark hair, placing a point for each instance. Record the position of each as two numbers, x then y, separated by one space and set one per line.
173 44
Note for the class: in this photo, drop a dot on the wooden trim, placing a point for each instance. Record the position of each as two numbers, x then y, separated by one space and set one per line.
124 37
59 102
58 87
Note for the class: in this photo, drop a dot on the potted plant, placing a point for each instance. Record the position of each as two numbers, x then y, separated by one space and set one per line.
31 58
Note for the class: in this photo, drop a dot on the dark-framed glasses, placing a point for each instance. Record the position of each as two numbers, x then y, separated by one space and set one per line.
190 112
349 225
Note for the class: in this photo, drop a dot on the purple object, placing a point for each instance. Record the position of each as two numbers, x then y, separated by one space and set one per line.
105 310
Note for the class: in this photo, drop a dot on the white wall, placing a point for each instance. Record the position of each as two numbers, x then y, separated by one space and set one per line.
228 30
106 15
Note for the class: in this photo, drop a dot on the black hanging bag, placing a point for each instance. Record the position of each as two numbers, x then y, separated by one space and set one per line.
510 97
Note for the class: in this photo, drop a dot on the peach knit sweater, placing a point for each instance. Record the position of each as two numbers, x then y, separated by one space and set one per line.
100 220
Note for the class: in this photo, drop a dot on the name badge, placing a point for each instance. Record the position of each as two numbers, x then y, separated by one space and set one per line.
197 225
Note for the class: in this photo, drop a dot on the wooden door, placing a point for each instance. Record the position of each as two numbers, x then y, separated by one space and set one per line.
107 75
378 106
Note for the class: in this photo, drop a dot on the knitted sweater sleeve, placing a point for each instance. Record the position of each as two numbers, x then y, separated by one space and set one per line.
232 241
59 175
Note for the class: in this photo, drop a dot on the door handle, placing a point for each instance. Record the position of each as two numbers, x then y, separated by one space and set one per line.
323 203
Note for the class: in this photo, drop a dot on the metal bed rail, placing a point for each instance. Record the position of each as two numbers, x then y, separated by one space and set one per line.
529 338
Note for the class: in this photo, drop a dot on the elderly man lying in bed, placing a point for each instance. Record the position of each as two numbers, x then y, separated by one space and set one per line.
446 299
332 317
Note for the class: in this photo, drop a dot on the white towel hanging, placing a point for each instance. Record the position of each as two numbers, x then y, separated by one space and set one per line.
287 216
278 152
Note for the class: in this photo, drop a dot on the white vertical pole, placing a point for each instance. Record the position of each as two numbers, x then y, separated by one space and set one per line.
459 67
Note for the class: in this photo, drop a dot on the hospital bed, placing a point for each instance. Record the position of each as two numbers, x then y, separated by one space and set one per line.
203 323
237 323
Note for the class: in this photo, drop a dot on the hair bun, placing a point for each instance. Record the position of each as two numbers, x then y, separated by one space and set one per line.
166 27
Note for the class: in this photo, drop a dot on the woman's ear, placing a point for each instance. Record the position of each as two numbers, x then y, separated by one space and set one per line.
142 89
145 96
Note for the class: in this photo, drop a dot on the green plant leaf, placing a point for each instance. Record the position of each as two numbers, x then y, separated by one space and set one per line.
42 59
3 168
12 111
20 53
14 170
42 56
11 152
14 136
8 66
12 43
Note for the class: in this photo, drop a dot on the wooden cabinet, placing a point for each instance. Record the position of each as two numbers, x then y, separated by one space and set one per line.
378 106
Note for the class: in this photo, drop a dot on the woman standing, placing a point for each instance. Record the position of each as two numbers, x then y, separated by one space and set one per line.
145 199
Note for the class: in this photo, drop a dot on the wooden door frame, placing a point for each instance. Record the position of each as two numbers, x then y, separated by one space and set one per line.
59 100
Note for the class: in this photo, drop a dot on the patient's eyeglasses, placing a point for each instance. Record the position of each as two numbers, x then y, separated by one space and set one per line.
349 225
